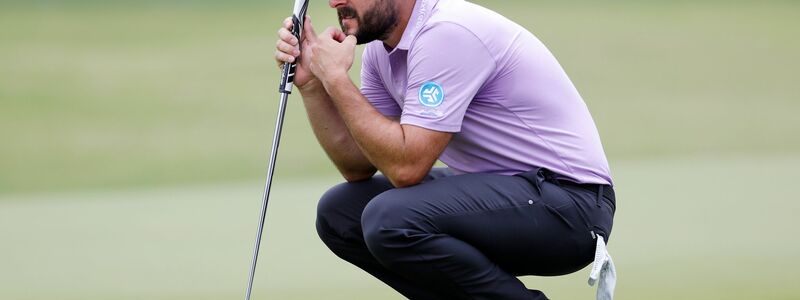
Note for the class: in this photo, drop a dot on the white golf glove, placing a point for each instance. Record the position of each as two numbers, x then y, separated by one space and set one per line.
603 271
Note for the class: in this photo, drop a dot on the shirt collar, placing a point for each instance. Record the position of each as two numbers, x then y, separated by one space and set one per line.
421 13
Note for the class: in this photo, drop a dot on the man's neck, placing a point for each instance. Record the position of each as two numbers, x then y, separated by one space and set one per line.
404 10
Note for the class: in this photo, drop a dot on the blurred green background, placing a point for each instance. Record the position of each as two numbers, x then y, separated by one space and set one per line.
134 137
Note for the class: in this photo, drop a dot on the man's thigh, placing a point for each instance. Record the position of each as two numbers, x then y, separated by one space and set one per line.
340 208
526 228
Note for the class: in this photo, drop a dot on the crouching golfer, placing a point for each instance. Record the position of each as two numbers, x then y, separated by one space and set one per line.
526 190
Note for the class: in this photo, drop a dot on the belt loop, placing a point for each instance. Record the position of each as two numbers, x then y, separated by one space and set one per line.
535 177
549 176
599 194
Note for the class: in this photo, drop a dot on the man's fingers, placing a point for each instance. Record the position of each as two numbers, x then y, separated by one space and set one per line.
332 33
287 36
338 34
350 40
287 23
283 57
285 47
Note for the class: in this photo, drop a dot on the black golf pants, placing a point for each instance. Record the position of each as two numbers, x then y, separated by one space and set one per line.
466 236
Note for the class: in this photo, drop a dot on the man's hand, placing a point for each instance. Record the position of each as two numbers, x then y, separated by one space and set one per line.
287 50
332 53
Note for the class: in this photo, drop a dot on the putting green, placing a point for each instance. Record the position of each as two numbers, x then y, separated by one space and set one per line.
704 228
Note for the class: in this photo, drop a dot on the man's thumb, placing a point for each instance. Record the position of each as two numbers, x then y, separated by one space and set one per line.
350 40
308 30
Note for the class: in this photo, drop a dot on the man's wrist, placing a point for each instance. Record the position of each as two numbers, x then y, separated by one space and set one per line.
335 81
313 88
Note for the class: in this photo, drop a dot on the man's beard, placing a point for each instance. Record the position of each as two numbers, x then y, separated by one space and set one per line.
376 23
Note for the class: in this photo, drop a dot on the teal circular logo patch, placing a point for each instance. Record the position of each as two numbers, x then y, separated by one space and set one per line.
431 94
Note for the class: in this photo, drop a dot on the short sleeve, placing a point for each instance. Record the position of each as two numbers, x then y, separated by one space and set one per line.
372 86
448 65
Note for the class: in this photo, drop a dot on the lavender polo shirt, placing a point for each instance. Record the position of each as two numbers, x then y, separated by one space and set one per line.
464 69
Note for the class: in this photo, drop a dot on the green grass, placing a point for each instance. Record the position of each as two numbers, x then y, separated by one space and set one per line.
692 228
144 94
134 138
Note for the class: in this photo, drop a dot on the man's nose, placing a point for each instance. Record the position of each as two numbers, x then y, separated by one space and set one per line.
336 3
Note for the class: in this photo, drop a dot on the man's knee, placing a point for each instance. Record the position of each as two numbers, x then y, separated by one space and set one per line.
330 215
339 209
390 224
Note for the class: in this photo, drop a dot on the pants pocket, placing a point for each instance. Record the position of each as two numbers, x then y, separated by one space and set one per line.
603 218
556 212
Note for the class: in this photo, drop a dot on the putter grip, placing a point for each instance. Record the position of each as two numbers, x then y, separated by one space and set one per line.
287 78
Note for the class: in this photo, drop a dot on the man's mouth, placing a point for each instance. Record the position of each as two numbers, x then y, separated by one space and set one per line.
346 13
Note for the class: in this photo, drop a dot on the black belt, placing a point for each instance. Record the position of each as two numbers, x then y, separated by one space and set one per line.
608 191
601 190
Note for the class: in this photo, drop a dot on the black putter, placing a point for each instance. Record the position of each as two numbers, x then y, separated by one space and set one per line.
287 79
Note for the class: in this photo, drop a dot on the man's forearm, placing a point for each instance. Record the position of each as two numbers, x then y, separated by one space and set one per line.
333 136
404 153
382 140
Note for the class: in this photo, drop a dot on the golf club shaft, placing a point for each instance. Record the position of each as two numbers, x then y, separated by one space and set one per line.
286 84
276 140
